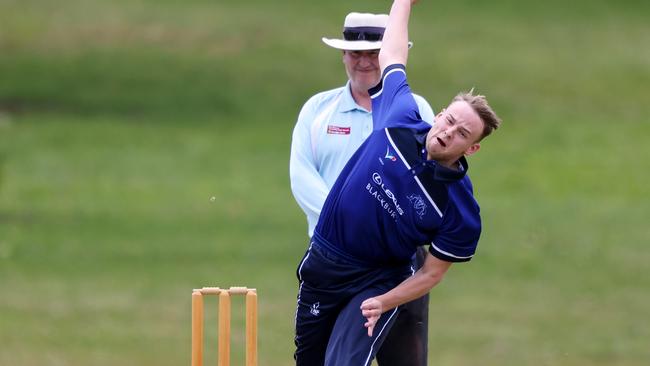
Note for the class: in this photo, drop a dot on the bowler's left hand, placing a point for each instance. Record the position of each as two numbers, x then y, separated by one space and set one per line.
371 309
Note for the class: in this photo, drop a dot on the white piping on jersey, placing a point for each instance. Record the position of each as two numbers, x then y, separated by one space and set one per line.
318 121
449 254
415 176
382 82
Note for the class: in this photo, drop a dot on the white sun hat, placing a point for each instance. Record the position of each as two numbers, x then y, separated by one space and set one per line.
361 32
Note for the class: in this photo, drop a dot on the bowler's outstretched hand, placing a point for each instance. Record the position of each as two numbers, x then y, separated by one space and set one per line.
371 309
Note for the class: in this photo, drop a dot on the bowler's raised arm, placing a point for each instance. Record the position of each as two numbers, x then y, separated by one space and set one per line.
394 48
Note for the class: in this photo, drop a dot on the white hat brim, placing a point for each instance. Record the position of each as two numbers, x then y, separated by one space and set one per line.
342 44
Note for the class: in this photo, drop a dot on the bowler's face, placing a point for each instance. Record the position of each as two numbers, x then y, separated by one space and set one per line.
362 68
455 133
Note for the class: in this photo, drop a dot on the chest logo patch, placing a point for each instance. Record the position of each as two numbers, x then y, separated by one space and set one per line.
418 204
337 130
389 155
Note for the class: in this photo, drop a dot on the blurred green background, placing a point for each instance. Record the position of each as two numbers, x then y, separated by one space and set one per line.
144 151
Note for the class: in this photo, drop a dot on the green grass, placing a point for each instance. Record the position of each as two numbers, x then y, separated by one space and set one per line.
120 121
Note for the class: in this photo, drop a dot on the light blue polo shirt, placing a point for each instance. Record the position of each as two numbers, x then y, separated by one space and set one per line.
389 199
330 128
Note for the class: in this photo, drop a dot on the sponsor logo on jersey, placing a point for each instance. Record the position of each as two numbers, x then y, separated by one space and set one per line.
384 196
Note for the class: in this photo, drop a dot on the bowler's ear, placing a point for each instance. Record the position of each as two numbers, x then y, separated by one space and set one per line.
472 149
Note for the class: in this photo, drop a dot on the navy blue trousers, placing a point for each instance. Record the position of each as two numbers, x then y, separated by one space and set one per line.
407 342
329 324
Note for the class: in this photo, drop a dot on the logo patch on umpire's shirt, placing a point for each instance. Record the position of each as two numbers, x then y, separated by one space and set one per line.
336 130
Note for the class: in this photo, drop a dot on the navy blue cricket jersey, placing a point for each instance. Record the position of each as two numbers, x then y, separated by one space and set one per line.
389 199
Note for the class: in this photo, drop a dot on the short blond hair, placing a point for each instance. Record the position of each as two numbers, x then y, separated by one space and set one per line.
480 105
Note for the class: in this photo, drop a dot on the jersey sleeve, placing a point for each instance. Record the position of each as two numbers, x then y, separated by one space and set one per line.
393 104
457 238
